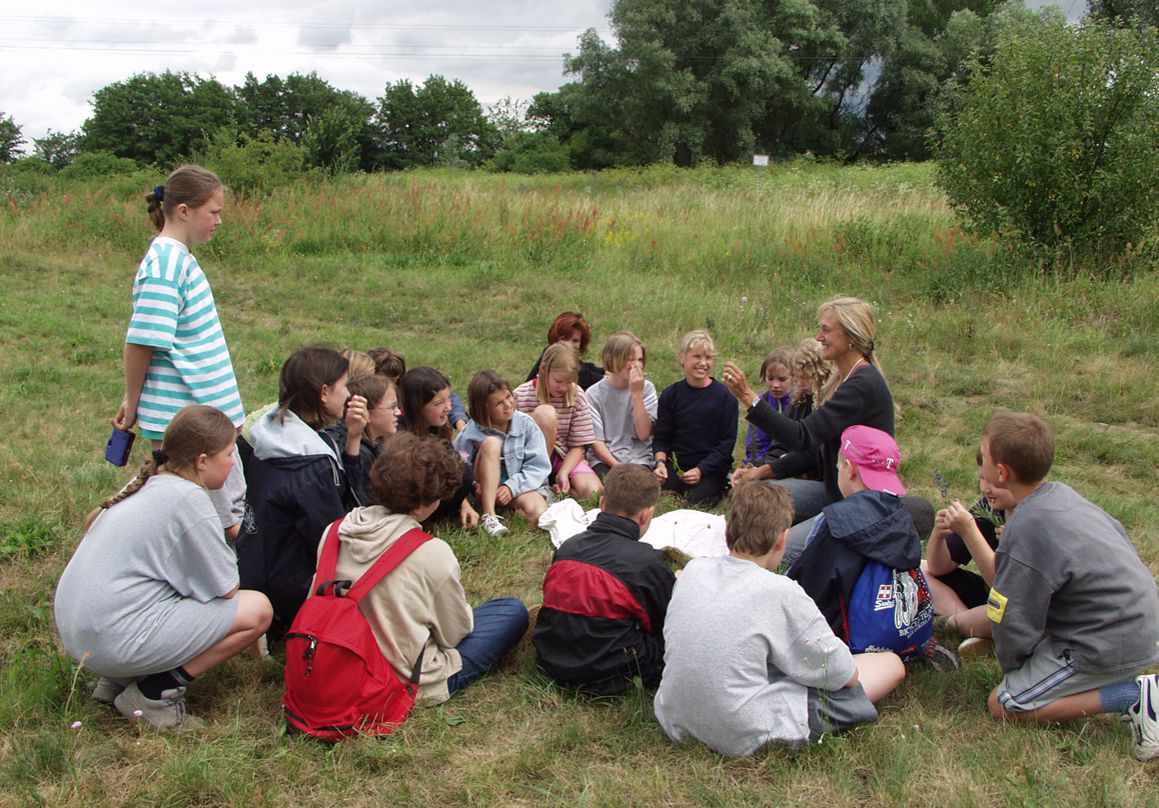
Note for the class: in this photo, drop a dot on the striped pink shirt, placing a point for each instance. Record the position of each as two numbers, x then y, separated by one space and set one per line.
575 422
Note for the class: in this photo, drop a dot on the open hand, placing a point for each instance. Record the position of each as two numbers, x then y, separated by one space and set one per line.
738 384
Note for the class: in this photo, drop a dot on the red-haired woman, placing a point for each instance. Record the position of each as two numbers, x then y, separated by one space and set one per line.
571 328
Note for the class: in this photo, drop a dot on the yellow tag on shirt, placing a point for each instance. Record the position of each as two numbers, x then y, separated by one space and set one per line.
996 606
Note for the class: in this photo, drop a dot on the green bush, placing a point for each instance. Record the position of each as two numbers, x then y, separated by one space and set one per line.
97 164
256 165
1051 144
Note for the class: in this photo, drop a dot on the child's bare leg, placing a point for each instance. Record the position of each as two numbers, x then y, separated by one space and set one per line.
531 505
879 672
585 485
972 623
487 472
946 600
547 420
1068 708
253 617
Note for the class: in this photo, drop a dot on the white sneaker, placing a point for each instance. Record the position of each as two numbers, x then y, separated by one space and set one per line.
494 525
163 713
1144 719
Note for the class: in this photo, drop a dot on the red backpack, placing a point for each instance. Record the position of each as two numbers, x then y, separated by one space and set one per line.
338 683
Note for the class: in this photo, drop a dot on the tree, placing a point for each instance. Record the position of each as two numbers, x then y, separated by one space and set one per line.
439 123
11 139
333 125
157 119
1050 142
58 149
1128 12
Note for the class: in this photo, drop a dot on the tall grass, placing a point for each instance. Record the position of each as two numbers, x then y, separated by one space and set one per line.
464 271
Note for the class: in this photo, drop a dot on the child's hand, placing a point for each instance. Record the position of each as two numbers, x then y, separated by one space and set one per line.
942 527
356 415
959 518
998 531
745 474
124 419
468 517
636 379
737 384
691 477
661 471
562 484
503 495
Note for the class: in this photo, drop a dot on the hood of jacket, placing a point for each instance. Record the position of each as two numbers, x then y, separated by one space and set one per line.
291 437
369 532
876 525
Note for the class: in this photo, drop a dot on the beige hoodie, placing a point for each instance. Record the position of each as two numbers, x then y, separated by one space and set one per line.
419 605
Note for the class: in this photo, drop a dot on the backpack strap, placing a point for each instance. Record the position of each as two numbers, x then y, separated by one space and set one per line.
403 547
328 560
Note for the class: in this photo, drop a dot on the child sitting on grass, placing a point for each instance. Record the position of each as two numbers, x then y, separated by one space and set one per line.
605 595
623 407
749 660
777 374
1075 612
960 595
870 531
506 450
560 408
421 606
695 427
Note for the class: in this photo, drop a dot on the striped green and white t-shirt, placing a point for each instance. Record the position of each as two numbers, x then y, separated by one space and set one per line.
174 314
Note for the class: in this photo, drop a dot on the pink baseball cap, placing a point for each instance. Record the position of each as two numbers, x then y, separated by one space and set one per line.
876 456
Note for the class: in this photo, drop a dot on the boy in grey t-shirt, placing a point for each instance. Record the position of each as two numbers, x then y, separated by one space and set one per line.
1075 612
749 659
623 406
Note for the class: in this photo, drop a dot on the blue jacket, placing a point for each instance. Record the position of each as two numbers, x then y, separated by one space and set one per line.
297 484
524 451
870 525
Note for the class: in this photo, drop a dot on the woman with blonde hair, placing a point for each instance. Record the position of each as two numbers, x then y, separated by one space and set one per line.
855 394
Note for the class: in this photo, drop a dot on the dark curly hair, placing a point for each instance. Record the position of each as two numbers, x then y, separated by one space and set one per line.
414 470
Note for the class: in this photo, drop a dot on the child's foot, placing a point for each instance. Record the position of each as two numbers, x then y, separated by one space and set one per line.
494 525
976 648
107 690
1144 719
163 713
940 658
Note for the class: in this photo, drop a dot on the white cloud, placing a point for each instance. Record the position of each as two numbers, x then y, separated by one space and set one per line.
55 56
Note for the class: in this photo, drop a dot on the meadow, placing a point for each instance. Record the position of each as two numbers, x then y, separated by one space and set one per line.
466 271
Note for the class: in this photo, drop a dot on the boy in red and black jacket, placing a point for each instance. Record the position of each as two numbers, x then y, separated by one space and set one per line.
606 593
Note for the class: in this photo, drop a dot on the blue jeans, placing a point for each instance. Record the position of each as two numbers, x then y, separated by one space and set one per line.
499 625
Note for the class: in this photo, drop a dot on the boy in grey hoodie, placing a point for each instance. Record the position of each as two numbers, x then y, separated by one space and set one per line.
1075 612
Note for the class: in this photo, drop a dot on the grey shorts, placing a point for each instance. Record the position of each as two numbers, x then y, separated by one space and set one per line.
1048 675
832 711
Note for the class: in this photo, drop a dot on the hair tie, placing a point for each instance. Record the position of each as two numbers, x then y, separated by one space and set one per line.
159 193
160 456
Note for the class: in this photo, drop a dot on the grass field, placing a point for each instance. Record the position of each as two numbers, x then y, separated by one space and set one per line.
464 272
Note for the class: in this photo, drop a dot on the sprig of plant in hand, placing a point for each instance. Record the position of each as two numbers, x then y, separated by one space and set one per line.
982 510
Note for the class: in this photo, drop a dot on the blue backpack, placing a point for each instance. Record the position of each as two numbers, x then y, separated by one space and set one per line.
889 610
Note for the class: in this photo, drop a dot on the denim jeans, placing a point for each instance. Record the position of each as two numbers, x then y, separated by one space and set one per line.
499 625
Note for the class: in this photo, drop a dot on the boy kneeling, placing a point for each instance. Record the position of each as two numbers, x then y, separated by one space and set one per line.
749 658
1075 613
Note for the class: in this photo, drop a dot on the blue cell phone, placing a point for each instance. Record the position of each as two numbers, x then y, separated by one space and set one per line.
119 445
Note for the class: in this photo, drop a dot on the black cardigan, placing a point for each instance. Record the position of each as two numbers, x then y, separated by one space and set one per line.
863 398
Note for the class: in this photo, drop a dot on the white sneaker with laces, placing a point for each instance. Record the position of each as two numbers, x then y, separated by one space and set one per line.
1144 719
494 525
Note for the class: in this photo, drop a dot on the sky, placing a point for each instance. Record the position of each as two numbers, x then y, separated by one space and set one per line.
58 53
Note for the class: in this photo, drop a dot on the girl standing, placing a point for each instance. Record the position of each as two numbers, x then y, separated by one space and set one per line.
150 599
175 351
506 450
